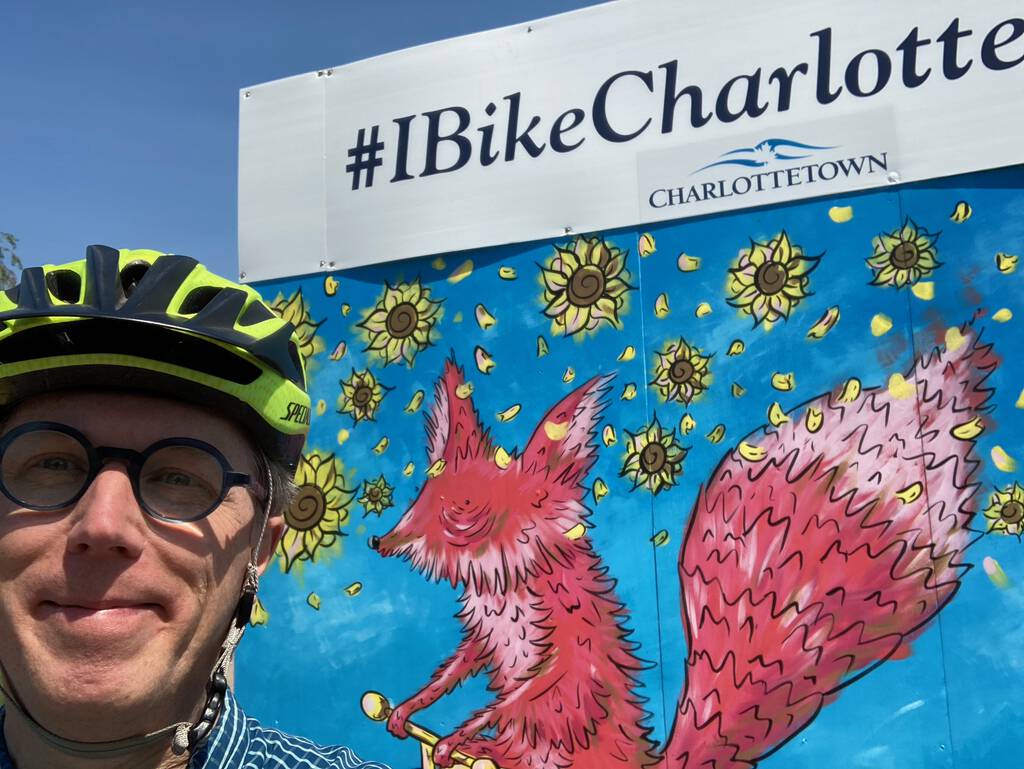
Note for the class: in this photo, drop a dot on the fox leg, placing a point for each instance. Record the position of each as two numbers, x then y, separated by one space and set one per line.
465 737
464 663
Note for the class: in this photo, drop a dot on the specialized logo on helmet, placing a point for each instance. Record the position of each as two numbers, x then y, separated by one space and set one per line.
298 413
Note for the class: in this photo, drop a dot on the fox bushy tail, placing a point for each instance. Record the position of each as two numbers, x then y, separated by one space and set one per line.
804 569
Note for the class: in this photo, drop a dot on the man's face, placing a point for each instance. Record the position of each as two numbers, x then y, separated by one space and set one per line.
110 620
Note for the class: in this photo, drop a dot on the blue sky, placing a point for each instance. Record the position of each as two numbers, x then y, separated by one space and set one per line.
120 119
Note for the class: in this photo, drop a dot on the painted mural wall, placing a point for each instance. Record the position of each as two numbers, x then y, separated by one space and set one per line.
720 492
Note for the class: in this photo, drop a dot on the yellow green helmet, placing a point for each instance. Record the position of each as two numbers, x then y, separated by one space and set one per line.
160 323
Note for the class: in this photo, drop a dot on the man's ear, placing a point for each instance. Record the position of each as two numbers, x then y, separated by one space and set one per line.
271 536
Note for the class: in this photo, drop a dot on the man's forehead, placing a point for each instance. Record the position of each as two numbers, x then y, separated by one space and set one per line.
134 420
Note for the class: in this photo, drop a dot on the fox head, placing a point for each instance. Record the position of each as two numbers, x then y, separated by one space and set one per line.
488 519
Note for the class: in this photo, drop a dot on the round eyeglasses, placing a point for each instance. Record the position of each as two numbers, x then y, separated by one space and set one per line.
49 465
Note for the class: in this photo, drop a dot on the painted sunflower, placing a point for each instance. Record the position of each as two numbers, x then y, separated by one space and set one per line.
585 286
376 496
361 396
654 459
295 310
770 279
318 511
903 256
1005 511
399 325
681 373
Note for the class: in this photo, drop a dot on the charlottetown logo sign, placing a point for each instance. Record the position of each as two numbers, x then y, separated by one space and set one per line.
769 167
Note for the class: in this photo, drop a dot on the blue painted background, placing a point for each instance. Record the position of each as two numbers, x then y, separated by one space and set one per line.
953 703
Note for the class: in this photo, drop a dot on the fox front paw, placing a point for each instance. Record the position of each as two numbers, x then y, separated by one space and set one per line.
444 749
397 720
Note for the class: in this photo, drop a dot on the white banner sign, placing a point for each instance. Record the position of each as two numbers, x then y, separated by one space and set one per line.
624 113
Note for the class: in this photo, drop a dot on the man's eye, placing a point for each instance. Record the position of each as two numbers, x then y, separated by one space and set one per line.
56 464
172 478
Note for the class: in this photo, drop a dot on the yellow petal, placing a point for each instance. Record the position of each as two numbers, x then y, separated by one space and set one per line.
646 247
1002 315
313 600
439 263
703 310
346 308
339 351
910 493
954 339
716 435
502 458
899 388
382 445
627 354
995 572
825 323
628 392
784 382
880 324
850 391
661 538
408 470
484 319
1002 460
484 362
507 273
576 531
258 615
342 436
464 390
687 263
752 453
321 407
510 413
738 390
608 436
736 348
1006 263
1020 400
436 469
461 272
600 490
776 415
961 212
354 589
457 317
330 286
924 290
556 430
542 347
813 419
687 424
569 375
969 430
661 306
414 403
840 214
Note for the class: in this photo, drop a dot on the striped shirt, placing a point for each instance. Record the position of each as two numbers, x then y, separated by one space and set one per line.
239 742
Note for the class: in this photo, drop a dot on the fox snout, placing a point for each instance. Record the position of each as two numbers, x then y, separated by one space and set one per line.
374 542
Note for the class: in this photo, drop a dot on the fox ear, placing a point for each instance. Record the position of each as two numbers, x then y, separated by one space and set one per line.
453 426
563 442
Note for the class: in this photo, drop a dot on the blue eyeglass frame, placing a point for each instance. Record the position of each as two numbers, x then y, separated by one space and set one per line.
133 460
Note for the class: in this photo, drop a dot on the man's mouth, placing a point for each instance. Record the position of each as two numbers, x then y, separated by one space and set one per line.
114 612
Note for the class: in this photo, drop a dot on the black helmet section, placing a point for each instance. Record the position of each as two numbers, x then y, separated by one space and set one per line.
142 292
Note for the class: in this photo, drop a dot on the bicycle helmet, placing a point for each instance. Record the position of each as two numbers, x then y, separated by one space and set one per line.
159 323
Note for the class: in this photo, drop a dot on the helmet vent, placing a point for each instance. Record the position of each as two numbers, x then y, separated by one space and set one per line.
66 285
256 312
131 275
197 299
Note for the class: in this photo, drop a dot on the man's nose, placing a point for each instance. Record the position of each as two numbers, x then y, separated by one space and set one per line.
107 518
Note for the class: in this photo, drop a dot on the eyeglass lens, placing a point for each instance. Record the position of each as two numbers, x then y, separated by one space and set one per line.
48 469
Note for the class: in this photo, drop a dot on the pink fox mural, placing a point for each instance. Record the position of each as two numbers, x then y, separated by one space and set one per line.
819 547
